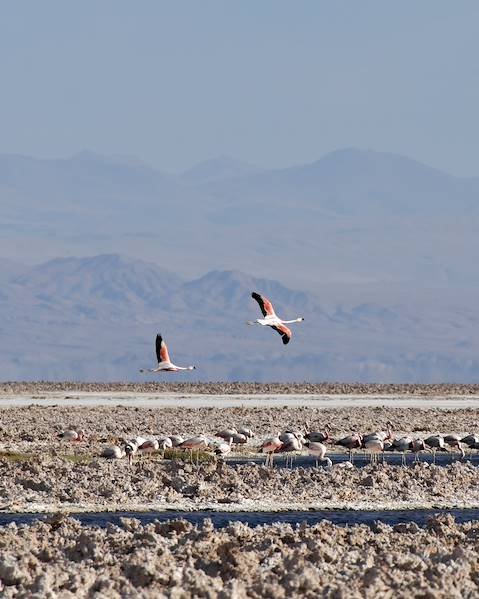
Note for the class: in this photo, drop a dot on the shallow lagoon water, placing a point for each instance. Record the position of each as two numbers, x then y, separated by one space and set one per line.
222 519
360 460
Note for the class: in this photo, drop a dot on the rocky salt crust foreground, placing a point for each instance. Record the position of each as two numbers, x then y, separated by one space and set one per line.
52 483
62 558
50 474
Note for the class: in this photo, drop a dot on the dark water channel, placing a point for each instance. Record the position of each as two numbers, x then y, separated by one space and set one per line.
360 459
222 519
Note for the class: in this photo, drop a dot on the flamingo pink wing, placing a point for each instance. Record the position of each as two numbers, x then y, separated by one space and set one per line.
265 305
161 350
284 332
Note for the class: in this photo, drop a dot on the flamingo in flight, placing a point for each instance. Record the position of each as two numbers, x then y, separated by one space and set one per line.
164 362
271 319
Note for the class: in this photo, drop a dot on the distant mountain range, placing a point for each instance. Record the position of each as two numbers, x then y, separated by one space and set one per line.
382 249
96 318
354 217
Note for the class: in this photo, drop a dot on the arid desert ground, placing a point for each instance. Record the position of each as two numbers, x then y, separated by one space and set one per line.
60 557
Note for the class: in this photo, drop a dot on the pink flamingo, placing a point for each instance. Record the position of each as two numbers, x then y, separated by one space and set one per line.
271 320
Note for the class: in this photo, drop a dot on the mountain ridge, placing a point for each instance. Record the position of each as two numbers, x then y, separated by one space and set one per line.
59 323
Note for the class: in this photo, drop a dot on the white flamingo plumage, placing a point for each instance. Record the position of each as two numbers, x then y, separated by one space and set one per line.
223 448
164 362
271 319
72 435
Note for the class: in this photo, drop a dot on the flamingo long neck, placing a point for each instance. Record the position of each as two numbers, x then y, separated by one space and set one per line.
291 321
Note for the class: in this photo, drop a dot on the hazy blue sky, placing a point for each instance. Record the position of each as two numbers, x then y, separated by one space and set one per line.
271 82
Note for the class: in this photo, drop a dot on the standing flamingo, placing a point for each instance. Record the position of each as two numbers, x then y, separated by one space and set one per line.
269 446
402 445
292 444
226 433
375 447
318 450
247 432
130 448
223 449
271 320
381 435
350 442
197 444
418 445
176 440
164 362
435 442
319 436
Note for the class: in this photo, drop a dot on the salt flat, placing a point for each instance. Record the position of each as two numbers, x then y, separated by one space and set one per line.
194 400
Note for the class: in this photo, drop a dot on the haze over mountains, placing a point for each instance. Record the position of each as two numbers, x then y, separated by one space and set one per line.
377 251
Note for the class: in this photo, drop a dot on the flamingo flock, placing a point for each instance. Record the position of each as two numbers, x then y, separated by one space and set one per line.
291 443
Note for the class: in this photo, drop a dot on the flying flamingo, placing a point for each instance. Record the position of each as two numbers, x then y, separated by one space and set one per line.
164 362
271 320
